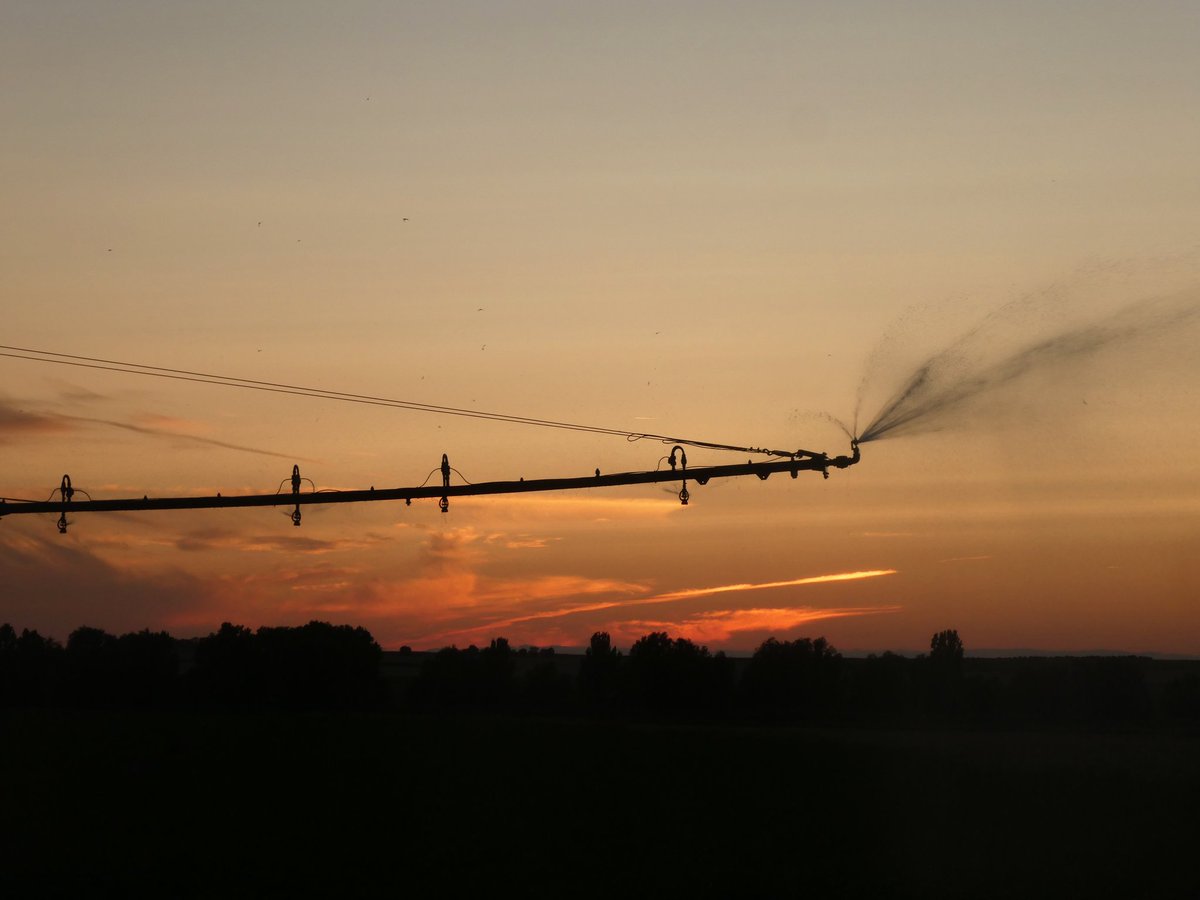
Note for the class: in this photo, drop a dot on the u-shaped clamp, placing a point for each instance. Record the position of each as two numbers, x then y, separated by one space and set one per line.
296 494
444 503
684 496
66 492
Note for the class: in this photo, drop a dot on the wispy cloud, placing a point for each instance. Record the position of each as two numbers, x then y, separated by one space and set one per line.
223 539
722 625
173 433
15 421
761 586
71 392
630 603
553 587
526 544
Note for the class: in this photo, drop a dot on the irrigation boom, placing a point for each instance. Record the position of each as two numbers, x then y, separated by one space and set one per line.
678 472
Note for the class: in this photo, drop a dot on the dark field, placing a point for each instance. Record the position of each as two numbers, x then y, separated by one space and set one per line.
190 803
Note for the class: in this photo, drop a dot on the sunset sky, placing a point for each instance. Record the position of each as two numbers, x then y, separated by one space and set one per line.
713 220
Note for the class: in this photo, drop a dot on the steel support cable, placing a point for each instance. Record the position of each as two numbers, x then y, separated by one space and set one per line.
110 365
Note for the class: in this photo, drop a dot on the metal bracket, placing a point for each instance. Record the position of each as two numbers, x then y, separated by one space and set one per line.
684 496
296 493
444 503
67 492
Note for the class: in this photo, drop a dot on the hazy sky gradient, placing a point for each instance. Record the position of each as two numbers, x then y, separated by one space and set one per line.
695 218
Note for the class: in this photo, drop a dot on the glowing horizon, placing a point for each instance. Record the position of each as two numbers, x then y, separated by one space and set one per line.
670 597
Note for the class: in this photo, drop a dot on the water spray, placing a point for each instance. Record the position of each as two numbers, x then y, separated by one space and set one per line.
961 372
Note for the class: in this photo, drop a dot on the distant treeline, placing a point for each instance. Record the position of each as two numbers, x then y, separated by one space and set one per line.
322 666
315 666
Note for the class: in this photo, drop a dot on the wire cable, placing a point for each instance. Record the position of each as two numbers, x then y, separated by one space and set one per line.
130 368
427 477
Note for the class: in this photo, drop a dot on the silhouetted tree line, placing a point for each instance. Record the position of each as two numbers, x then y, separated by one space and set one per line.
807 680
660 676
322 666
317 665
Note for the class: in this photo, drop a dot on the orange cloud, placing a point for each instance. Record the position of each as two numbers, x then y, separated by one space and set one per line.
732 623
525 543
725 588
449 549
690 593
718 626
548 587
444 601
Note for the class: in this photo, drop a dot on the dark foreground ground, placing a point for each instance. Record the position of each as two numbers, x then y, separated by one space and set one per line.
219 804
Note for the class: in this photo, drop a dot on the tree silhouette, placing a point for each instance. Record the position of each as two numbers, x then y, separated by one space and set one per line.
881 685
91 666
499 667
226 669
546 689
665 675
30 667
598 684
946 649
317 665
939 675
147 668
793 678
471 678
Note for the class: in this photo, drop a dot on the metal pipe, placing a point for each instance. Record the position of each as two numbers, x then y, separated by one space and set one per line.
700 475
